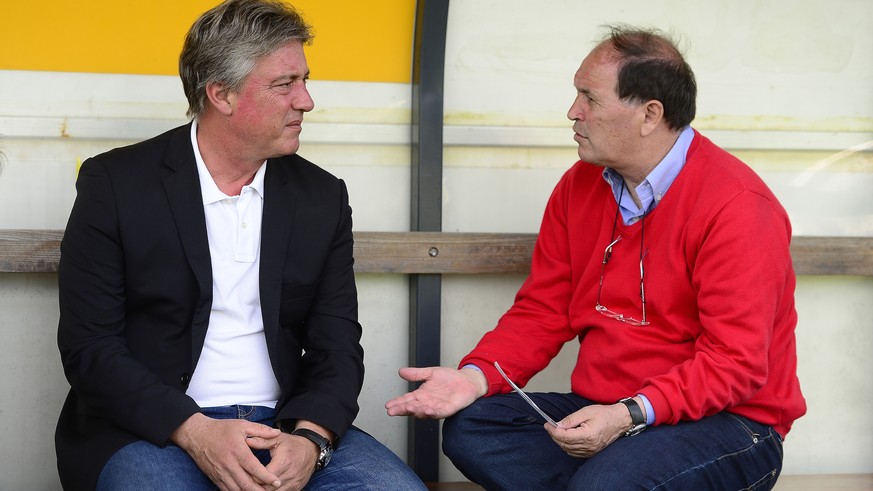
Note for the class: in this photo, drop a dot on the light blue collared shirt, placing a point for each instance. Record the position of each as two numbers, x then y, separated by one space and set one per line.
655 185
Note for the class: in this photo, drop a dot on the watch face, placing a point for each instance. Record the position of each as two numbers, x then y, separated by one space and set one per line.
324 457
324 448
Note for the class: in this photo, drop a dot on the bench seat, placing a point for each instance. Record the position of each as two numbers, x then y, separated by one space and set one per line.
794 482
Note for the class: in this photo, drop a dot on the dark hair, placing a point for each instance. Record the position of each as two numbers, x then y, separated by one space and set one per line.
650 66
226 41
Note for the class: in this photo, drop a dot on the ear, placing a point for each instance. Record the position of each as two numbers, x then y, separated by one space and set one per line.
652 116
220 98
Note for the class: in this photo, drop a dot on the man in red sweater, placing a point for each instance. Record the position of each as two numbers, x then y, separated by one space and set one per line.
667 260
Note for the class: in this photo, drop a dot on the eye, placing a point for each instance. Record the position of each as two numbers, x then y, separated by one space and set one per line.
290 83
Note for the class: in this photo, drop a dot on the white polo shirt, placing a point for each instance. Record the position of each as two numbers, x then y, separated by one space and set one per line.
234 366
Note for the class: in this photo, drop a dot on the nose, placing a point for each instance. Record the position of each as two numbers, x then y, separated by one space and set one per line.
303 100
575 111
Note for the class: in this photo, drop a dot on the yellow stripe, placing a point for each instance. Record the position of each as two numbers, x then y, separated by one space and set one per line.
355 40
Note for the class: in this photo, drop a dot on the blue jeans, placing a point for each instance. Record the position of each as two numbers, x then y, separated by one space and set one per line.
359 462
499 442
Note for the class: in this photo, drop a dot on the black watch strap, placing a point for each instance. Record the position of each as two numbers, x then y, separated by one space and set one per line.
324 447
637 418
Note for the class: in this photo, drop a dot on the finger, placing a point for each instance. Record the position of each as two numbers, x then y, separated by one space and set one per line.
573 420
291 469
429 410
258 430
414 403
261 443
557 435
400 400
551 430
412 374
396 409
257 472
235 480
263 476
406 409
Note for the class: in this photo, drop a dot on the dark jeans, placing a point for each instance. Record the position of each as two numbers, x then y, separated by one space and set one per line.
499 442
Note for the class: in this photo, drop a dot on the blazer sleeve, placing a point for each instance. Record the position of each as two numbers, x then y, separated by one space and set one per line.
110 383
331 370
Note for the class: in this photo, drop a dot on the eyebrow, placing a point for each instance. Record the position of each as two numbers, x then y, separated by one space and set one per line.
289 76
588 93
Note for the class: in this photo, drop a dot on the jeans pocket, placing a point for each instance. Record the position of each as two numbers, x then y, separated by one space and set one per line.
768 443
766 482
744 424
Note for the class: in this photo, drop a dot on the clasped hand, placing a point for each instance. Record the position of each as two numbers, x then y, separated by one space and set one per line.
222 449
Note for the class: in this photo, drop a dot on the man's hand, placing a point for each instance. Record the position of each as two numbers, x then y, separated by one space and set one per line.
444 392
221 449
590 429
292 459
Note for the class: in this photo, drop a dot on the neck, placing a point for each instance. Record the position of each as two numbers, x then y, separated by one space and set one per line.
652 152
229 170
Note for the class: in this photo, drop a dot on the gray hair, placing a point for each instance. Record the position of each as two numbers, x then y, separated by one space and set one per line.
224 44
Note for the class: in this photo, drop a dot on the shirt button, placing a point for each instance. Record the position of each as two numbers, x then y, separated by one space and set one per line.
243 224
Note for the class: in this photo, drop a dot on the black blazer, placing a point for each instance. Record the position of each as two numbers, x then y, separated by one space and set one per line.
135 294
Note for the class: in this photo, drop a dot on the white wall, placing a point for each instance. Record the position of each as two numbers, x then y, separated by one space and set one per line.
785 85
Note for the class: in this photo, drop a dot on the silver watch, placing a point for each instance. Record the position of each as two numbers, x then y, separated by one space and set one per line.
325 449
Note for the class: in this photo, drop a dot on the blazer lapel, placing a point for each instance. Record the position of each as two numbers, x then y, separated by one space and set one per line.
276 225
186 202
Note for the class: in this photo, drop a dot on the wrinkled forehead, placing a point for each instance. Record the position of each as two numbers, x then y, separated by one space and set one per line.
599 70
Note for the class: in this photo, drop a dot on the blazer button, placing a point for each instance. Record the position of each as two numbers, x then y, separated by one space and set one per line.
185 379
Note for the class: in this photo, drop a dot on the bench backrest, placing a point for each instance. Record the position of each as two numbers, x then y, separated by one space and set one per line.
37 251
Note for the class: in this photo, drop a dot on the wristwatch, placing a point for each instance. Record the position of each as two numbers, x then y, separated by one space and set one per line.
325 449
637 419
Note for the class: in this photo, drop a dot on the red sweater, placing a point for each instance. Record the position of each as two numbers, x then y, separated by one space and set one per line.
719 287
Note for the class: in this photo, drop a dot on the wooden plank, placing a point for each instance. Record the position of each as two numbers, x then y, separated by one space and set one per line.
442 252
795 482
30 251
833 255
36 251
824 482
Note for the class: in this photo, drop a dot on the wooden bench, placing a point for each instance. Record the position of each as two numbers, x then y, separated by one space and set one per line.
795 482
37 251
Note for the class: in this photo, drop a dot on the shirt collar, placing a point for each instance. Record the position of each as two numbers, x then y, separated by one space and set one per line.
655 185
208 188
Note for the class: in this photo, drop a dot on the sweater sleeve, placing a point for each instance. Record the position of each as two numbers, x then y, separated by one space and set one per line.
535 328
740 268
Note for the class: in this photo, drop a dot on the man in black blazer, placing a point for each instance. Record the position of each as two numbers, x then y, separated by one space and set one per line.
208 310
